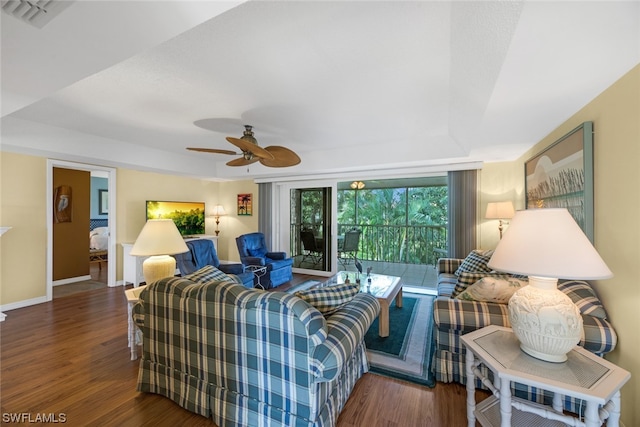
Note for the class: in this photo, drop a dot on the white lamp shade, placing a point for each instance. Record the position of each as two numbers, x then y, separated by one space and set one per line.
499 210
548 243
159 237
218 210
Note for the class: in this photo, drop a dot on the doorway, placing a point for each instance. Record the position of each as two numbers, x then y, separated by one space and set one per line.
310 228
109 199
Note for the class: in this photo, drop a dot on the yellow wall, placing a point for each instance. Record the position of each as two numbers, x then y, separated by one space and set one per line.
616 118
24 248
233 225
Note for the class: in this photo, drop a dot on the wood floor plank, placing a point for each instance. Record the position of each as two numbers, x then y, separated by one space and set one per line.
70 357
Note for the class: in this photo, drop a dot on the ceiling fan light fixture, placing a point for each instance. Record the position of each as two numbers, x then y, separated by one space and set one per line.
247 135
357 185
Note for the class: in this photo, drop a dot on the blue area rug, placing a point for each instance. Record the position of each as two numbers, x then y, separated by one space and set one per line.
406 353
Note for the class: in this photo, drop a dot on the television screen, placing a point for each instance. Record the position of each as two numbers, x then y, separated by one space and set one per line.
188 216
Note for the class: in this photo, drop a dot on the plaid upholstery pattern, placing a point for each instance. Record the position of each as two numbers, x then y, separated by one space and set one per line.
476 261
248 357
210 274
454 317
328 299
584 297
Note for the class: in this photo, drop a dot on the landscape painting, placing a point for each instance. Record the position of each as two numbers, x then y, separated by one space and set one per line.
188 216
561 176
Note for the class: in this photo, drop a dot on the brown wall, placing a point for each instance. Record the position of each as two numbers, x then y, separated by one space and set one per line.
71 237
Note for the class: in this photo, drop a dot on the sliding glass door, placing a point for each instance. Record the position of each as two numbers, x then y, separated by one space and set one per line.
310 228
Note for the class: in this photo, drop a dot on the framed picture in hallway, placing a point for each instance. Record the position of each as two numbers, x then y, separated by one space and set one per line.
561 176
245 204
103 202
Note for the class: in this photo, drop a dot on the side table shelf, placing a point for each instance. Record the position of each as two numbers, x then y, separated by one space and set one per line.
583 376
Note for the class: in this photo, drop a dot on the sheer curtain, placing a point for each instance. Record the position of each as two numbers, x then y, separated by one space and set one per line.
265 210
463 202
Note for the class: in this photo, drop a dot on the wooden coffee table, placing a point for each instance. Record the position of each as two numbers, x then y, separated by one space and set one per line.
384 288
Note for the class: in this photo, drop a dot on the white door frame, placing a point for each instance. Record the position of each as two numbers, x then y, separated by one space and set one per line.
111 254
282 214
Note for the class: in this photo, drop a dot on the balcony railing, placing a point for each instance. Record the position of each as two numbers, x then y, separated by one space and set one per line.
408 244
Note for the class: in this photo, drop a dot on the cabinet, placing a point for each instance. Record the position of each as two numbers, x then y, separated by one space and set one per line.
132 265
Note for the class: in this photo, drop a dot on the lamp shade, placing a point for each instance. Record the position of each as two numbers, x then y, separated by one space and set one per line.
218 210
159 237
499 210
548 243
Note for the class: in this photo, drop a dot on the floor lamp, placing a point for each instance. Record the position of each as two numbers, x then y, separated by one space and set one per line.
159 239
499 211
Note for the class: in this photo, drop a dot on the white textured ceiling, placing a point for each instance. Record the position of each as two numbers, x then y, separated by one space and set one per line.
349 86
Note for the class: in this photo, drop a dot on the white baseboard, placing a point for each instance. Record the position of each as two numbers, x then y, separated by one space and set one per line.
70 280
2 317
23 303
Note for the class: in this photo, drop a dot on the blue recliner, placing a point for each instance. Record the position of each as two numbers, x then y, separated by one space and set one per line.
202 252
253 251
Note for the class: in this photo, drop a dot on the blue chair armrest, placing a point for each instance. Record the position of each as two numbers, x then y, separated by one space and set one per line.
236 268
277 255
254 260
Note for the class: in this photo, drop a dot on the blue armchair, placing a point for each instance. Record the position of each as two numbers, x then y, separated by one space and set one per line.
253 251
202 252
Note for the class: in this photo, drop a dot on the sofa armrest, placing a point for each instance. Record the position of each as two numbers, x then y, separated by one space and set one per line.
277 255
467 316
346 329
448 265
599 336
235 268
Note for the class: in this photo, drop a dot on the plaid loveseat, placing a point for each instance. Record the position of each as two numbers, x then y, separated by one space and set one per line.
454 317
246 357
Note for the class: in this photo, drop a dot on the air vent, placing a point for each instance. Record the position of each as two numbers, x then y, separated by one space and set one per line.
35 12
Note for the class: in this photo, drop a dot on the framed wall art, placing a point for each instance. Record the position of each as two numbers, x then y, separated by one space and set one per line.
103 202
561 176
245 204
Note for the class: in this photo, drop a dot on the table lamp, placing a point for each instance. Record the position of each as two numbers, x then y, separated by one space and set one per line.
499 211
546 244
159 239
218 211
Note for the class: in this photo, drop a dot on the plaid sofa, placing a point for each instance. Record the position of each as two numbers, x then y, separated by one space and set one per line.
246 357
454 317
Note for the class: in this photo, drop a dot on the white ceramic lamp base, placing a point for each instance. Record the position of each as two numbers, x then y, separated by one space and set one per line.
545 320
157 267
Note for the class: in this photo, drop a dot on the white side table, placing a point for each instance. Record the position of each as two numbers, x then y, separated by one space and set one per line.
134 334
258 272
584 375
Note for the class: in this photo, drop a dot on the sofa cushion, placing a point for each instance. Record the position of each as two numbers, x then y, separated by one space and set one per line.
467 278
492 289
210 274
476 261
329 299
584 297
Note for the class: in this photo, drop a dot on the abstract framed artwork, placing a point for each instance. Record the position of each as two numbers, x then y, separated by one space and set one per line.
245 204
103 202
561 176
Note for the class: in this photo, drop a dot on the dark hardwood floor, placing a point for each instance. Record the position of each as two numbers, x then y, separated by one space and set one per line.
68 359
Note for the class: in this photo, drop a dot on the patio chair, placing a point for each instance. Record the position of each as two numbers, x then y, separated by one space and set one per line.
349 249
311 248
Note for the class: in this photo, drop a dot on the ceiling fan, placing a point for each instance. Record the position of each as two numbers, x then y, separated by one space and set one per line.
273 156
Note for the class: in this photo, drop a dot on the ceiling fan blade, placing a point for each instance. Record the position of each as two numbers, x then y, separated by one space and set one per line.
213 150
242 161
256 150
283 157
